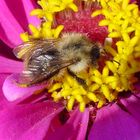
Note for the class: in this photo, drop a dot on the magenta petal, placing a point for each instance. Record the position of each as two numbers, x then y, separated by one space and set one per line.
3 101
14 19
112 123
27 122
133 106
74 129
9 27
12 91
10 66
28 6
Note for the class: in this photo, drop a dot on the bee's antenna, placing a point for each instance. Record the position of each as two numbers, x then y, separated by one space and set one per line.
116 62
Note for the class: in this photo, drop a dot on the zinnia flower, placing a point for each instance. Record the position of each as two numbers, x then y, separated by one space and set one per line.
108 109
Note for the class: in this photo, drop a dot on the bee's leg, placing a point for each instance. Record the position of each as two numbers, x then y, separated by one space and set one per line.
79 80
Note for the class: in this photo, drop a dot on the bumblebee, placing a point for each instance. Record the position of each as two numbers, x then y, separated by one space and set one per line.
43 59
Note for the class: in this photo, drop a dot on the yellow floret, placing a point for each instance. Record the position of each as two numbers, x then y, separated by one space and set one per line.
24 37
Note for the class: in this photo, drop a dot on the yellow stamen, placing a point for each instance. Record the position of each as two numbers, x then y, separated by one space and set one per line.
92 97
34 30
82 106
24 36
70 103
55 87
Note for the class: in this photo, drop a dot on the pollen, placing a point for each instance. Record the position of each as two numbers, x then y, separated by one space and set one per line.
114 75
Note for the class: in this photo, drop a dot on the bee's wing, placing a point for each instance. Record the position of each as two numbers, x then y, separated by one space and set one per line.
22 49
44 61
36 75
28 47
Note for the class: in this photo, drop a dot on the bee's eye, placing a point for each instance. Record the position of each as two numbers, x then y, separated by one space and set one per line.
78 45
95 53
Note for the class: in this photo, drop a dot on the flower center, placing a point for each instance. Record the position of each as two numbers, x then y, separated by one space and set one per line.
117 19
82 22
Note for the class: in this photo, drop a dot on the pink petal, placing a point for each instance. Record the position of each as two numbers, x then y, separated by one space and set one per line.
27 122
28 6
3 101
12 91
133 106
14 19
74 129
10 66
112 123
